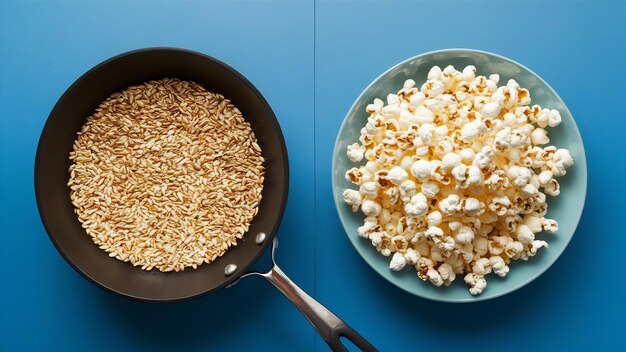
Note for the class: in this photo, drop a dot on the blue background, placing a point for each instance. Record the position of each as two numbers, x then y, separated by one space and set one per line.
311 60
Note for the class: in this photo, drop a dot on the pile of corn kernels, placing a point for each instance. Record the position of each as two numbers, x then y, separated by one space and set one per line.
454 176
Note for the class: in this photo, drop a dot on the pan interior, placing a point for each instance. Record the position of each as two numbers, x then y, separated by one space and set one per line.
52 164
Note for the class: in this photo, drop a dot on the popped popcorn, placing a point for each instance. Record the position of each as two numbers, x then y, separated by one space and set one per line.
353 198
398 262
356 152
453 176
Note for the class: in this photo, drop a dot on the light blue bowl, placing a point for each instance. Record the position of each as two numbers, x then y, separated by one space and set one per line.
566 208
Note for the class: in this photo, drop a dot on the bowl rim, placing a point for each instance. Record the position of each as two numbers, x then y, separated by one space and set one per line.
482 297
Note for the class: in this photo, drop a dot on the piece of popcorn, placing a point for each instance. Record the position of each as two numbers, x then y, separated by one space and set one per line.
423 265
442 147
510 119
434 277
450 161
385 217
411 256
406 162
441 131
436 106
528 191
498 266
552 188
375 107
535 246
481 266
450 76
393 99
467 155
435 233
417 100
554 119
465 234
447 273
399 243
519 176
435 73
473 129
369 189
390 137
533 222
358 175
426 134
391 111
371 207
422 151
497 244
476 282
371 167
542 118
562 160
380 177
397 262
391 196
445 246
550 225
524 234
499 205
491 110
369 226
459 173
376 238
433 88
407 190
481 246
471 205
544 177
539 136
422 115
454 226
352 198
422 247
508 138
421 169
434 218
469 73
450 205
465 251
418 206
481 160
513 249
397 175
430 189
355 152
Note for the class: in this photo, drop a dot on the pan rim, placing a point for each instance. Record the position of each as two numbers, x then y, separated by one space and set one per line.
272 119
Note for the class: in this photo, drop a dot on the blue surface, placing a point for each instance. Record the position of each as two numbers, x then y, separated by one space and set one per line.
311 61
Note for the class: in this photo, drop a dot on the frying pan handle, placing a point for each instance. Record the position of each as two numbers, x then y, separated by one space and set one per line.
327 324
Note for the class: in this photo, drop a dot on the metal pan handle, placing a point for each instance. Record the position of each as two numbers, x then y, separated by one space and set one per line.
327 324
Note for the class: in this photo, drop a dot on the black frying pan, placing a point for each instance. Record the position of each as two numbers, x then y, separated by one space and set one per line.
52 193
